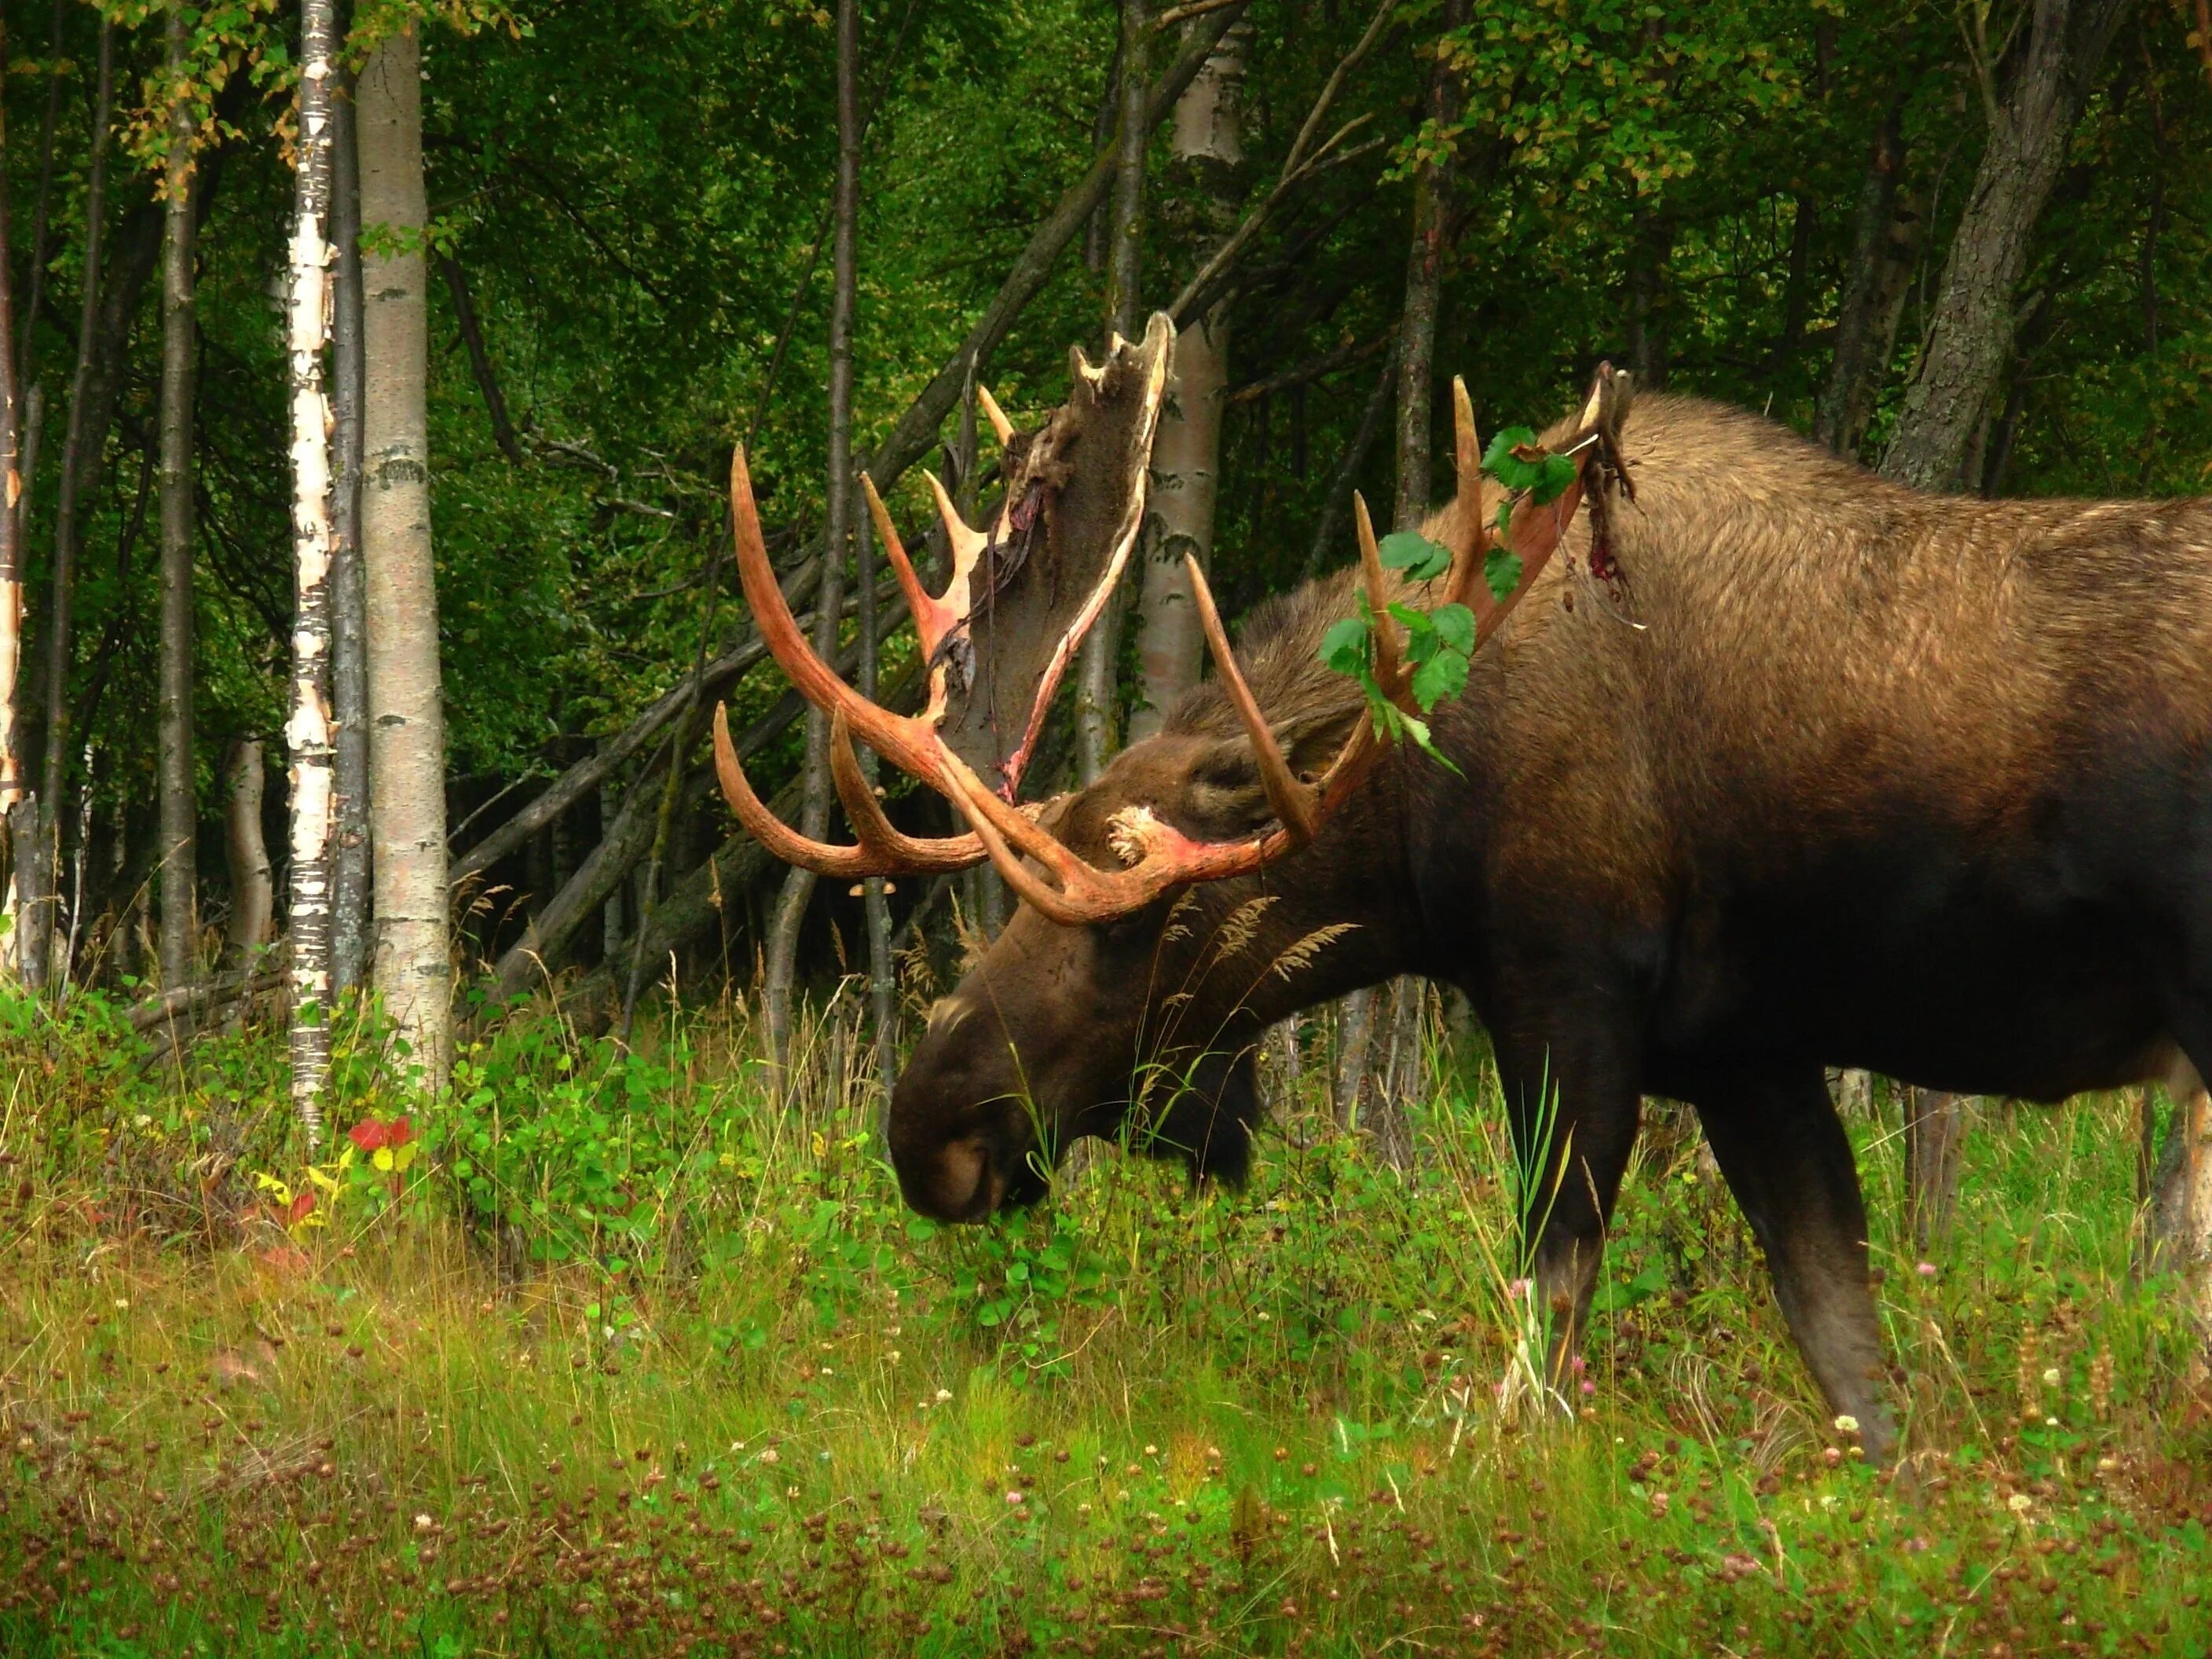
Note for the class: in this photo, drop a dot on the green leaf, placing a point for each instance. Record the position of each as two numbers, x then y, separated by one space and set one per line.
1454 626
1501 573
1502 464
1344 647
1421 559
1553 476
1442 676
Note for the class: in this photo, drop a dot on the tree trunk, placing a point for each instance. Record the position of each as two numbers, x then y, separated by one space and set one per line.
1970 336
1324 551
2177 1229
349 883
252 896
1885 247
814 808
883 987
1365 1062
407 733
307 733
1935 1138
76 463
178 861
1651 245
11 549
1100 654
1208 147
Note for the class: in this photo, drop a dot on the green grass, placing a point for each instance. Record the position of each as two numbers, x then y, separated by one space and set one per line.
635 1362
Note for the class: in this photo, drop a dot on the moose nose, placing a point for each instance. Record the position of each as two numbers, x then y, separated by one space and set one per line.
960 1182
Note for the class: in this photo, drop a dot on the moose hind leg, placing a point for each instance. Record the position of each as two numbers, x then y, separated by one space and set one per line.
1787 1159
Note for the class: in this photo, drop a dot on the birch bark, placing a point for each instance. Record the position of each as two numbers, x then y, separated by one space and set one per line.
1208 144
407 731
308 732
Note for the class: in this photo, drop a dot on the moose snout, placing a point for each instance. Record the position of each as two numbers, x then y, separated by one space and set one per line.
958 1181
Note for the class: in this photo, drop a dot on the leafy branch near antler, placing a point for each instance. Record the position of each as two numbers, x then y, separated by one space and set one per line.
1403 679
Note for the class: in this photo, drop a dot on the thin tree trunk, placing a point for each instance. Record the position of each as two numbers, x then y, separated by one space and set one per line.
177 861
1935 1136
1970 337
814 806
1097 233
407 733
480 363
1651 245
11 546
1885 247
1324 551
350 882
47 855
1364 1061
41 215
1797 289
883 988
253 895
1208 147
307 733
1100 655
2178 1228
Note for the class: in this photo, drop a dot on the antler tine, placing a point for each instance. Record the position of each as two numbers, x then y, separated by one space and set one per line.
1047 899
1466 447
967 540
932 620
994 415
901 853
1463 583
905 743
1378 600
771 831
1293 801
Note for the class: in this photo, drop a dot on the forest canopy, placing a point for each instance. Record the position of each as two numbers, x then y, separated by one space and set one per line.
628 235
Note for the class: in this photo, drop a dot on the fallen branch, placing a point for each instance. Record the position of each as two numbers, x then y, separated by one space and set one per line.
1343 357
208 995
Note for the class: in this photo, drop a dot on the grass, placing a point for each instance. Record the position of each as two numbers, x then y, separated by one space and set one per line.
634 1361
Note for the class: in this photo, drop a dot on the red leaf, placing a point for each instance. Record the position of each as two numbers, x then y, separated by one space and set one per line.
399 1132
371 1134
300 1209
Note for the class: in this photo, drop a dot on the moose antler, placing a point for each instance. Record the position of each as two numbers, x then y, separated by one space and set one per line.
1156 857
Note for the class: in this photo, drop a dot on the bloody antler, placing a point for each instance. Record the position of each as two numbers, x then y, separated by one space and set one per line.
1156 856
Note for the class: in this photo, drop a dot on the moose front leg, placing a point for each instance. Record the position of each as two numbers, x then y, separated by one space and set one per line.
1787 1159
1574 1107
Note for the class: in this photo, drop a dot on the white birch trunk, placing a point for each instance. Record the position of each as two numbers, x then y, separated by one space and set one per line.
308 732
1208 144
407 726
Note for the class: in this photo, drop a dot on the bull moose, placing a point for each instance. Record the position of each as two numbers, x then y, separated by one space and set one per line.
1836 774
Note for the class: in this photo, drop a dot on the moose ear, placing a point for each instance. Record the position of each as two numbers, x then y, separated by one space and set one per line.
1223 795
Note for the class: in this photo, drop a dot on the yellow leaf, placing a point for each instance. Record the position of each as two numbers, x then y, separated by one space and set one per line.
381 1158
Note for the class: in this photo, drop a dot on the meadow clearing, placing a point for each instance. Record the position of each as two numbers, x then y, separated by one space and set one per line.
609 1354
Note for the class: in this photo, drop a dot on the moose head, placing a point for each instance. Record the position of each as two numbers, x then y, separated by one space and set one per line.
1216 877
